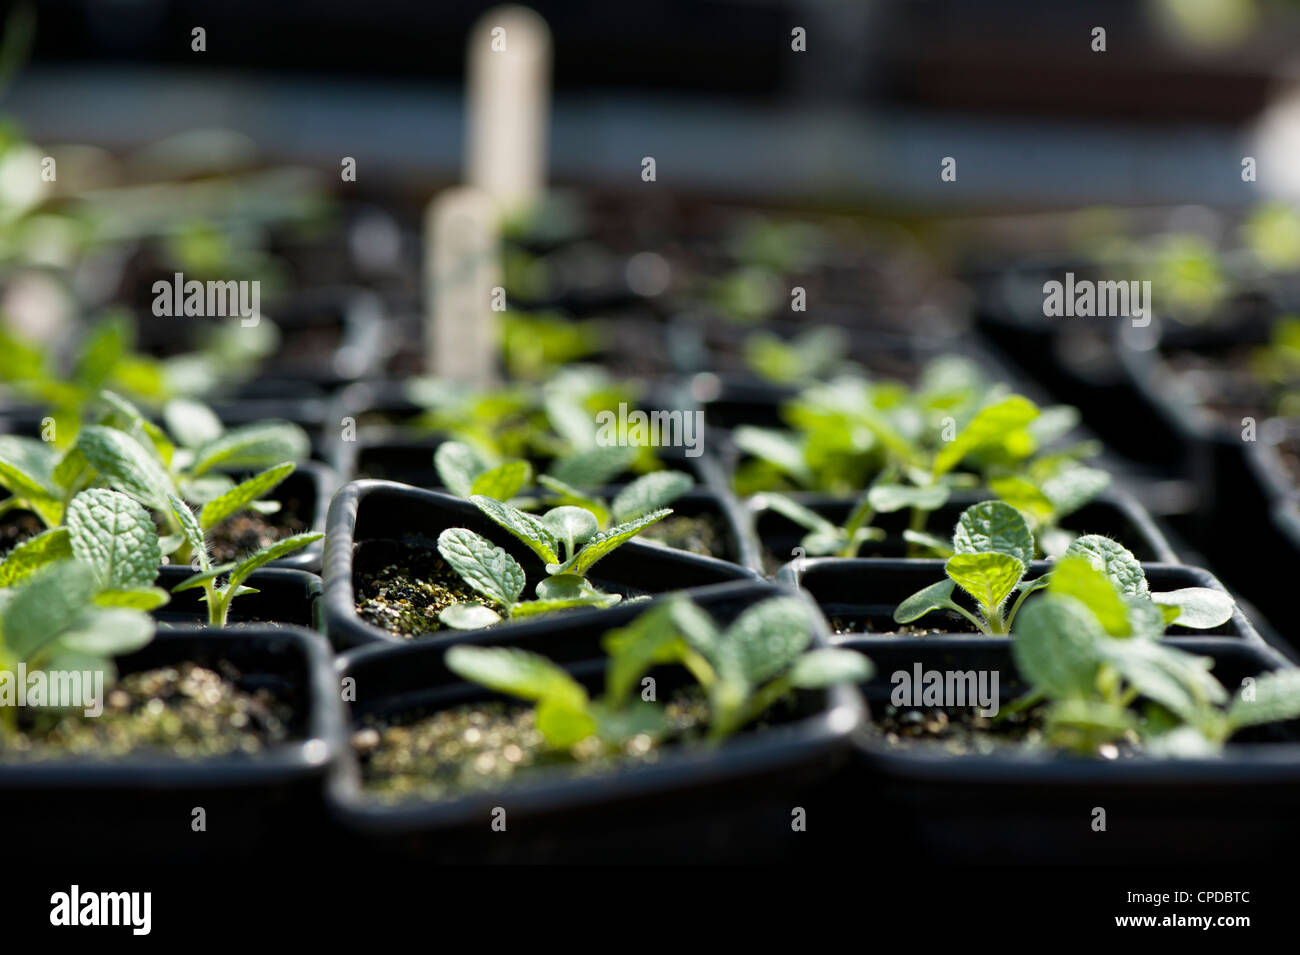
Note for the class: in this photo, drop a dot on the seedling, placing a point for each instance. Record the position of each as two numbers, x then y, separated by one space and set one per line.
1091 648
992 547
1048 490
744 670
567 539
806 357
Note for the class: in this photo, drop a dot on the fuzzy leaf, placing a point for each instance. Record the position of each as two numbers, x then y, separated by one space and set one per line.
988 577
528 529
503 481
1114 560
203 576
190 422
990 425
828 666
1178 681
1201 608
457 465
256 445
468 616
115 535
519 673
994 526
567 495
1056 647
887 498
649 493
572 526
109 632
33 554
1277 697
242 495
136 598
481 564
606 542
594 466
1075 577
281 548
191 529
769 637
126 465
935 597
27 466
47 605
1074 487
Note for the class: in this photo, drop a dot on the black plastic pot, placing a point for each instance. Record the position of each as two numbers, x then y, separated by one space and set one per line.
1024 807
1114 514
370 512
285 597
142 806
305 494
734 803
861 594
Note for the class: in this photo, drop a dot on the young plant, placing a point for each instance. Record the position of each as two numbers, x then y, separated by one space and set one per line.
567 539
1048 490
805 357
992 547
1091 649
744 669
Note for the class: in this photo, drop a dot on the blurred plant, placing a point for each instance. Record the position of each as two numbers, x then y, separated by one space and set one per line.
1272 234
538 344
806 357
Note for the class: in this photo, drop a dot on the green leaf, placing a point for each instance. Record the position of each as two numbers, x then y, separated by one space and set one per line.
1056 647
828 666
935 597
458 464
528 529
27 466
616 726
650 639
1114 560
203 576
937 545
594 466
1201 608
106 343
994 526
115 535
519 673
778 448
136 598
803 516
695 625
191 530
562 724
1178 681
1074 487
47 605
1277 697
567 495
606 542
649 493
989 426
504 481
281 548
468 616
769 636
126 465
192 423
242 495
573 526
481 564
256 445
533 608
887 498
33 554
1075 577
109 632
989 577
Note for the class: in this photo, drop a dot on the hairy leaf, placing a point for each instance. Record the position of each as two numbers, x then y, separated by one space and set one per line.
481 564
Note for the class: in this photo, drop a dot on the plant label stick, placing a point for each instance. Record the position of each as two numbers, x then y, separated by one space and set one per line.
463 265
509 60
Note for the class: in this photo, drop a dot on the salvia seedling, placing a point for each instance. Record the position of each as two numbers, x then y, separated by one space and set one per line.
744 669
1090 647
991 550
567 539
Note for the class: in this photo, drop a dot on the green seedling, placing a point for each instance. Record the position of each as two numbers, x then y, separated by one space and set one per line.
992 547
567 539
537 345
1091 648
744 670
805 357
1047 491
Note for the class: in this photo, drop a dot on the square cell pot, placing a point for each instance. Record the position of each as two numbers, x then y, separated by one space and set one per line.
366 516
859 596
698 804
141 806
1038 807
1114 514
285 597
